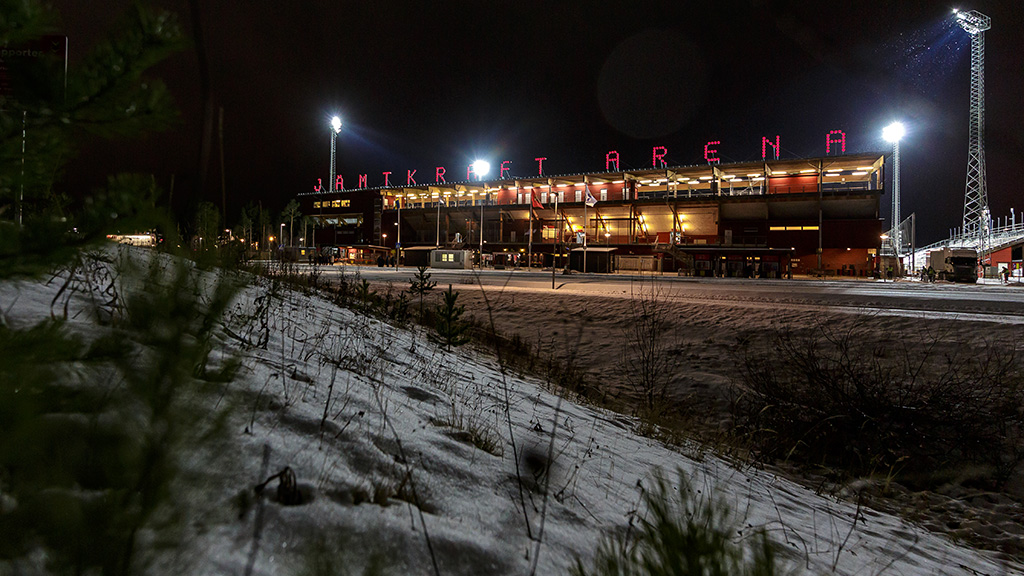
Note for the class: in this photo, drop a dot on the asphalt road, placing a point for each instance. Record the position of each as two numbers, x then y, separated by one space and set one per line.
990 301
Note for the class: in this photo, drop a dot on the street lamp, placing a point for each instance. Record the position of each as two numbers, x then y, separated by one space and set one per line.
335 130
893 133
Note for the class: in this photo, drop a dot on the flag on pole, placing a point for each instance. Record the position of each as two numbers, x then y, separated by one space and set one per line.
536 203
591 201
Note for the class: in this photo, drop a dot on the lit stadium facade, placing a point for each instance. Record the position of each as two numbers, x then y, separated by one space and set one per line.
765 219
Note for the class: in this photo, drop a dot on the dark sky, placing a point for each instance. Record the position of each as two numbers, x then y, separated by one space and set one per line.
425 84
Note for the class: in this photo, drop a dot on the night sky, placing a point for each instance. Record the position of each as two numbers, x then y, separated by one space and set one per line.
426 84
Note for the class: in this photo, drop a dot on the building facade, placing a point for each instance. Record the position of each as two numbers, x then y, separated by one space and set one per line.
764 219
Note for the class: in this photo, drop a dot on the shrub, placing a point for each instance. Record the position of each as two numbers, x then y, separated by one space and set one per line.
847 401
94 428
646 363
683 534
451 328
421 284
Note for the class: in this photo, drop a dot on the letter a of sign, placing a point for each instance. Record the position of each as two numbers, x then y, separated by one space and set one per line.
612 157
829 141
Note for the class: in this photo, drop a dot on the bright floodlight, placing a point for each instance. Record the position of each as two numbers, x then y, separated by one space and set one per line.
481 168
336 124
893 132
973 22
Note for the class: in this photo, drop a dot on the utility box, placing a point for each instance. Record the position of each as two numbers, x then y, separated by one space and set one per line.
459 259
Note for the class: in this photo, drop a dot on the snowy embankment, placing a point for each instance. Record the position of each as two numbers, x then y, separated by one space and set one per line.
369 416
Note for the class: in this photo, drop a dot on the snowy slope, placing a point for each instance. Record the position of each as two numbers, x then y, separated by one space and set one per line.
355 406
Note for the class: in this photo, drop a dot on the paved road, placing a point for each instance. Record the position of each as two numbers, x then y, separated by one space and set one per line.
991 301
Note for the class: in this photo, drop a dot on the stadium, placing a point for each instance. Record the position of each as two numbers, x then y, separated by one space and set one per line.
769 219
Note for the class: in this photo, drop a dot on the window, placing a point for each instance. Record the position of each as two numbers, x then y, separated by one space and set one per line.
579 195
561 196
604 194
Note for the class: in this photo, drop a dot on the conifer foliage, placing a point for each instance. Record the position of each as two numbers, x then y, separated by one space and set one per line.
108 95
94 424
421 284
451 328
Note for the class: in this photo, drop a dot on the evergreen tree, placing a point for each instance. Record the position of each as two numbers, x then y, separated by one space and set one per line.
421 284
290 213
107 96
451 329
92 424
206 227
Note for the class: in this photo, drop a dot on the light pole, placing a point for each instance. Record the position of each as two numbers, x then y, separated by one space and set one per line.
335 130
892 133
481 168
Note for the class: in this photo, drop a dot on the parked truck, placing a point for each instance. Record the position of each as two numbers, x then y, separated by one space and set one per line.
955 264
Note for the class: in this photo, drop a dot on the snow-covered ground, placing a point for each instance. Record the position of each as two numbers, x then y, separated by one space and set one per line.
355 406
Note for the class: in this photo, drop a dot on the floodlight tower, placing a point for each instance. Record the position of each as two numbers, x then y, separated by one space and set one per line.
976 196
893 133
335 130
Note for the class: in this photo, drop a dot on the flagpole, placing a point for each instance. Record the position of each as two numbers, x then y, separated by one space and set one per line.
558 232
529 238
586 222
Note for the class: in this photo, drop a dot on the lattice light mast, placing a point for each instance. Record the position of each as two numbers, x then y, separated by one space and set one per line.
892 133
335 130
976 195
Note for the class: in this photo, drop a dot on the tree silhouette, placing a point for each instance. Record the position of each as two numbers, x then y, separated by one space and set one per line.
451 329
290 213
421 284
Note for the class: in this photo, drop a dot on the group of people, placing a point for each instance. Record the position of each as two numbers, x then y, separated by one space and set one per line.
928 274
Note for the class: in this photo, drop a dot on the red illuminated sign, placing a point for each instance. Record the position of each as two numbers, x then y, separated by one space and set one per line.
610 158
709 152
658 156
829 141
834 139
